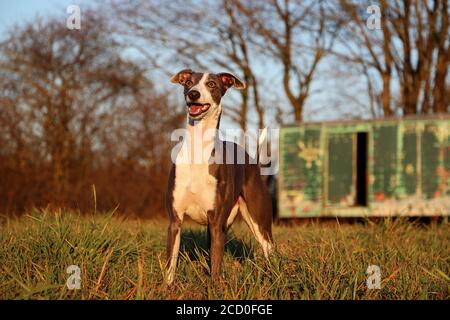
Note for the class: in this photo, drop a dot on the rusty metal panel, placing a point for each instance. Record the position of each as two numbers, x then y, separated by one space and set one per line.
440 198
409 170
384 174
300 181
311 163
421 186
431 154
408 167
291 167
341 188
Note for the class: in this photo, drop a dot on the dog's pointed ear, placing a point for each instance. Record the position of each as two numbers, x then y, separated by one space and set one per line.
181 76
229 80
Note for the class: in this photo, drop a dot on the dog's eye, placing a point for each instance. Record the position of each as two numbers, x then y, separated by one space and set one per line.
211 84
188 83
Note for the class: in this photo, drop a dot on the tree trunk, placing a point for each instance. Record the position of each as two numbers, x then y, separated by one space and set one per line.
386 94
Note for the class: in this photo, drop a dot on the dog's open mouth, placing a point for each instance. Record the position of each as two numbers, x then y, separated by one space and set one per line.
196 109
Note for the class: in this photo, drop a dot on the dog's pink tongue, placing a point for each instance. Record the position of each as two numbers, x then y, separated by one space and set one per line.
195 109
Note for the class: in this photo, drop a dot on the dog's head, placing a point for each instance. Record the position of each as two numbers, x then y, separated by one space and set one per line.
204 91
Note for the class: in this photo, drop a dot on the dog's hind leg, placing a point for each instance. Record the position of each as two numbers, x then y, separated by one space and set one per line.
259 224
173 247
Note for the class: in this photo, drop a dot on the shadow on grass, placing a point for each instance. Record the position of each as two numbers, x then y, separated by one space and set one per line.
195 243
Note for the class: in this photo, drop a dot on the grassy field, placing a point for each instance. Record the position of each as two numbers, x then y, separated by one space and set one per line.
122 259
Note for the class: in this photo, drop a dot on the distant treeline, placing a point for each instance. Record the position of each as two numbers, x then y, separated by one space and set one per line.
77 117
90 109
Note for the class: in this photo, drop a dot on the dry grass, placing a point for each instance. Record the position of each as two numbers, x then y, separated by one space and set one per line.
122 259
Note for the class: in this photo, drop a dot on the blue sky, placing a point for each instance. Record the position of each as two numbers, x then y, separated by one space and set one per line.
20 11
17 11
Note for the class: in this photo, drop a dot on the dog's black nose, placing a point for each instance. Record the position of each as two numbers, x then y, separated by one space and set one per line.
194 95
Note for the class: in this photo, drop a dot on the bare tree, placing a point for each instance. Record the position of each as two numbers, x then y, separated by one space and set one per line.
411 50
75 112
295 35
213 39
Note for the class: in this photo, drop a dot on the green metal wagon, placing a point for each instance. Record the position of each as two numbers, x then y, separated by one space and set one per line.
388 167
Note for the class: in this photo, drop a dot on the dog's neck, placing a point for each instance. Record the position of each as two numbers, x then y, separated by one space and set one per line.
204 133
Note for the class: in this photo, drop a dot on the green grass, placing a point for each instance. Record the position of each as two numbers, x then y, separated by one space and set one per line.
122 259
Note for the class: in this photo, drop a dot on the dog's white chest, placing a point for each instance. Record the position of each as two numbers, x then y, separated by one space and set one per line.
194 191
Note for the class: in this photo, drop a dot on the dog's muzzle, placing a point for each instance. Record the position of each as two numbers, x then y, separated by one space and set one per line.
197 109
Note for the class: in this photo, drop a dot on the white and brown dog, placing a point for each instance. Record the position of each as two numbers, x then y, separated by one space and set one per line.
213 192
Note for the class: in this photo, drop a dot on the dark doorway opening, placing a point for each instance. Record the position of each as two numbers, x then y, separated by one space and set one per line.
361 168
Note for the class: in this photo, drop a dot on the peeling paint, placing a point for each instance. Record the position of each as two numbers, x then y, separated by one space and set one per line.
408 168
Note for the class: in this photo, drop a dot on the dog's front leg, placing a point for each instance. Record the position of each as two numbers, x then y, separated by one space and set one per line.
173 247
217 227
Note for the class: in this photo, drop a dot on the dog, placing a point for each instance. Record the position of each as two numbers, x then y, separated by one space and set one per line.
213 193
